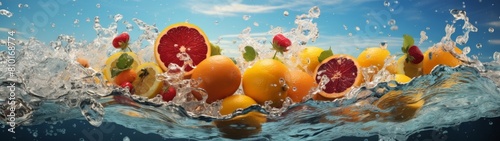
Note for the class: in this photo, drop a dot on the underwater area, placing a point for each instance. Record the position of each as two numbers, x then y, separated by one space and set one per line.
47 93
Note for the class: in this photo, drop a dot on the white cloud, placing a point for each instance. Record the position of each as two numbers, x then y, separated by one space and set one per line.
494 41
494 23
235 7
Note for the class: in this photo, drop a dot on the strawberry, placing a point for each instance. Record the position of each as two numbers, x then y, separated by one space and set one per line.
415 56
121 41
281 43
169 94
127 85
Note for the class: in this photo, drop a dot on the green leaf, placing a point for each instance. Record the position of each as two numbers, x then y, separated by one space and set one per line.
250 54
325 54
124 61
215 50
115 72
234 60
407 42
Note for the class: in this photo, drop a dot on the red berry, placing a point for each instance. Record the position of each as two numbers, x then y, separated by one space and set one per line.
121 41
415 55
127 85
282 42
169 94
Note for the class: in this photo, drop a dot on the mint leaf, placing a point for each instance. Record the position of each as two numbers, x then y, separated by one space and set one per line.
215 50
325 54
115 72
407 42
249 54
124 61
234 60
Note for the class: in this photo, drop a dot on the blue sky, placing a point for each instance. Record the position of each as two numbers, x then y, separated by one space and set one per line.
224 19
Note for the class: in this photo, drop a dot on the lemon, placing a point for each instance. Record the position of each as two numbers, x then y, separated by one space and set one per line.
309 59
111 63
265 81
146 83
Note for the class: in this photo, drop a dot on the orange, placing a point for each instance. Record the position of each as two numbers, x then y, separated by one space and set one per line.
125 76
146 83
438 56
243 125
219 76
178 41
265 81
309 59
300 83
83 62
374 56
401 106
339 73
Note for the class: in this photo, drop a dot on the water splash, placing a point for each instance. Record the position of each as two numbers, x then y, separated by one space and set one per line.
7 13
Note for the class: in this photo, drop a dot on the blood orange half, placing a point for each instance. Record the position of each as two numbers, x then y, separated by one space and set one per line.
181 38
340 72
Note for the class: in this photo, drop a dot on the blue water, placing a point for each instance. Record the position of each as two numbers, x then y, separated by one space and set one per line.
59 100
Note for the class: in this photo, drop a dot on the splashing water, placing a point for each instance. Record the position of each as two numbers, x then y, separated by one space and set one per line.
54 87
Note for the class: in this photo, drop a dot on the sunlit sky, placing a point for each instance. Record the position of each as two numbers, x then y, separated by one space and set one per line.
223 19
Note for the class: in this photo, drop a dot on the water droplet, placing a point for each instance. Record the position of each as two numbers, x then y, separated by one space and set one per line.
216 22
466 50
375 27
53 25
365 140
396 2
26 5
81 139
285 13
367 21
345 27
350 34
490 123
93 111
76 21
383 45
394 28
391 22
35 134
126 138
387 3
246 17
427 28
314 12
74 125
357 28
5 13
255 24
98 5
118 17
20 5
491 30
294 89
0 3
392 9
478 45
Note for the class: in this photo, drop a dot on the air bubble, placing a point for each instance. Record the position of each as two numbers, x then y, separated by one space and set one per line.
20 5
466 50
294 89
5 13
255 24
490 123
76 21
391 22
357 28
427 28
479 45
350 34
285 13
246 17
126 138
98 5
53 25
345 27
387 3
394 27
491 30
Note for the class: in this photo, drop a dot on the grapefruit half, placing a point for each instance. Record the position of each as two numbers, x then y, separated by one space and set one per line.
181 38
341 73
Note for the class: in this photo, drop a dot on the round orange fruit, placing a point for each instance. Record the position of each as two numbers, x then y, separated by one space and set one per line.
179 41
219 76
265 81
337 75
438 56
300 83
243 125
